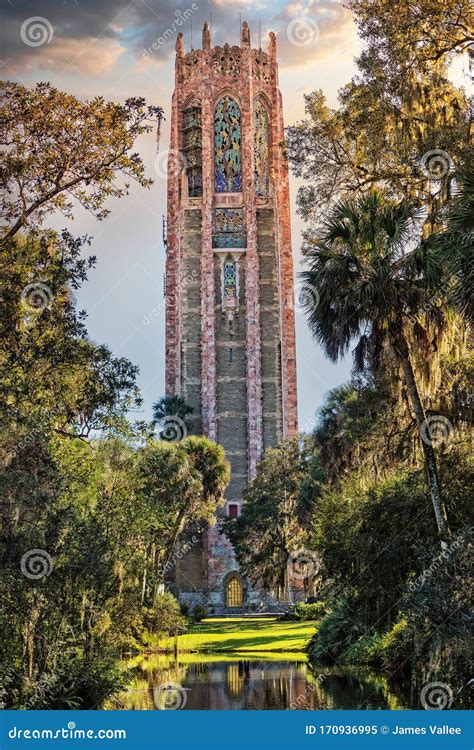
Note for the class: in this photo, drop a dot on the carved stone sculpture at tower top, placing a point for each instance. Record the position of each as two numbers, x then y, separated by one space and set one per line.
206 36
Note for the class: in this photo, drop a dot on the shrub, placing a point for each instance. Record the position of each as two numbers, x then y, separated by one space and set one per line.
165 617
337 631
199 613
312 611
396 644
366 651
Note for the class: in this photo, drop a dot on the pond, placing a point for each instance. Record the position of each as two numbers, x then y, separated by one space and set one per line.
250 681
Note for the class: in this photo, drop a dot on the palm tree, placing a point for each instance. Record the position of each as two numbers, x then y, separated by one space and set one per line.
456 242
172 413
365 282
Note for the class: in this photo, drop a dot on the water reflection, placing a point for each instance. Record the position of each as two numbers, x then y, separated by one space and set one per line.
213 682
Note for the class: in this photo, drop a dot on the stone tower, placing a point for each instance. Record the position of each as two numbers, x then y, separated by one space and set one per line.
230 338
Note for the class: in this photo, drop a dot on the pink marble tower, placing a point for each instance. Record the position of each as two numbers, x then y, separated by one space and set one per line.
230 336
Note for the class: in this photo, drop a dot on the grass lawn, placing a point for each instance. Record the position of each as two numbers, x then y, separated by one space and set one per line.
241 634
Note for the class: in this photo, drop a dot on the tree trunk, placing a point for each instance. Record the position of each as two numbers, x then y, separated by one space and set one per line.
428 450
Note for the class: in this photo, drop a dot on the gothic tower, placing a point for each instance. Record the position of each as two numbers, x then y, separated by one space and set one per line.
230 339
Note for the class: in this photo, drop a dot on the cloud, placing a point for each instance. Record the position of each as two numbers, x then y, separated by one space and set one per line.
87 28
89 36
315 30
86 56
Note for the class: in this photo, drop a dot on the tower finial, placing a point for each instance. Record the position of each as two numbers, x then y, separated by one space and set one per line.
179 46
272 47
245 35
206 36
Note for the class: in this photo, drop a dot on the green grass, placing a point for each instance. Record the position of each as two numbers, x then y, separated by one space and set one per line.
238 635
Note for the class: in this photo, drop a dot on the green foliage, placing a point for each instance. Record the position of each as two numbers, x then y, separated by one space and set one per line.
399 107
172 413
277 506
101 499
396 644
304 611
456 243
62 149
199 613
365 651
336 632
164 616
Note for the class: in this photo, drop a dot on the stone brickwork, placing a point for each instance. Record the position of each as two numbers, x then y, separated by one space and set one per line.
231 357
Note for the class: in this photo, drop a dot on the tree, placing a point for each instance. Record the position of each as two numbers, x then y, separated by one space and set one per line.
171 413
415 33
187 480
59 148
456 243
50 372
401 125
370 286
278 504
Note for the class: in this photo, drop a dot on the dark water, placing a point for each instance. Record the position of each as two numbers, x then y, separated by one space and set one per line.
219 682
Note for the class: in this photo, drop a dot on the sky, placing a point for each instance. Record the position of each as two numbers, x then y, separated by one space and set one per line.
119 49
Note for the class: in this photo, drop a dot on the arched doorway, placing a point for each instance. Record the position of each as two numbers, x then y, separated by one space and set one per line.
233 592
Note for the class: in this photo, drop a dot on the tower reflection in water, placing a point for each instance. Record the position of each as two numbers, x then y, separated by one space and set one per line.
205 682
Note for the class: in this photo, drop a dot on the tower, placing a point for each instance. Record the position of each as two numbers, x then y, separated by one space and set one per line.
230 339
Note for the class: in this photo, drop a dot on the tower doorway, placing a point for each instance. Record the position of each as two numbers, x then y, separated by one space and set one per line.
233 592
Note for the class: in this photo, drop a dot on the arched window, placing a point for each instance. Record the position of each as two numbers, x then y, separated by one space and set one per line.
192 148
227 147
233 592
262 171
230 277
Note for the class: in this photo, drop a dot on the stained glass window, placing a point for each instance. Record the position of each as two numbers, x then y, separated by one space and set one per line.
234 593
260 119
230 277
228 227
227 147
